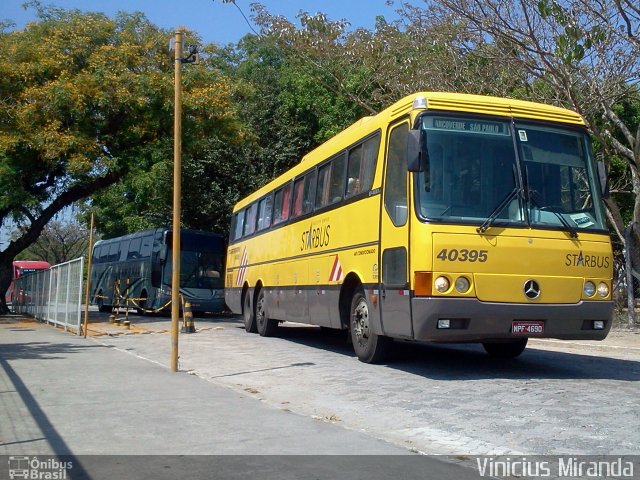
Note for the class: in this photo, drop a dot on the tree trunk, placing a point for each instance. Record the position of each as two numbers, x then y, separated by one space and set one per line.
6 275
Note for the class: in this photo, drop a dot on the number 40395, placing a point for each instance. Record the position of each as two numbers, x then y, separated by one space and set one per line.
463 255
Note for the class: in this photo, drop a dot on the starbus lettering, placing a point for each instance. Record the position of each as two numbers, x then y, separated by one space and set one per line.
315 237
590 261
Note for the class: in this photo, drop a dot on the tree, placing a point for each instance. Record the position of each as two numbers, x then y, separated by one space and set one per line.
59 242
370 69
215 169
85 99
584 53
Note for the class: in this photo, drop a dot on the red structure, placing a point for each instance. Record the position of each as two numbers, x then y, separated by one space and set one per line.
20 268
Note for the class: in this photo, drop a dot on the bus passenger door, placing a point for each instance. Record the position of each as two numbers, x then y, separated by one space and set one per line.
394 290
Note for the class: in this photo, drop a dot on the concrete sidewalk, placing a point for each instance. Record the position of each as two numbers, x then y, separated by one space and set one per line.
63 395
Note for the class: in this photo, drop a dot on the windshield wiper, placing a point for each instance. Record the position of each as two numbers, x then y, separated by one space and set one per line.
496 211
530 200
573 233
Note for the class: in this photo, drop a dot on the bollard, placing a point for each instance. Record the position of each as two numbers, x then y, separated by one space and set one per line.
187 316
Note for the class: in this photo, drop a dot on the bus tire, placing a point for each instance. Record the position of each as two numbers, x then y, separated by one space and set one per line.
247 314
369 347
100 303
142 303
266 326
506 350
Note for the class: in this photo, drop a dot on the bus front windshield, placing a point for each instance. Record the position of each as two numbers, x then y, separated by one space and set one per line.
200 266
473 177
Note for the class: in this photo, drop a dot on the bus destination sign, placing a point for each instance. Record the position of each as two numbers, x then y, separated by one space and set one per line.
471 126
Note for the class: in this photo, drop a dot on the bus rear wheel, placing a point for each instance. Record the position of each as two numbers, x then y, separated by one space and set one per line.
266 326
247 314
506 349
369 347
100 302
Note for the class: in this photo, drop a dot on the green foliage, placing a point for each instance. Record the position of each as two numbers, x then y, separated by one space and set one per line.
85 100
93 95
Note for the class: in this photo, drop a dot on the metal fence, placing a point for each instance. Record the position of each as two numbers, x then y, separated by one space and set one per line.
53 295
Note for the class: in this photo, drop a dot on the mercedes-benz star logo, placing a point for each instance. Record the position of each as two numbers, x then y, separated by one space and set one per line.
531 289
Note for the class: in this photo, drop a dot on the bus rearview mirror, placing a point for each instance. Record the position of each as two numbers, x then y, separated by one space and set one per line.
604 179
414 151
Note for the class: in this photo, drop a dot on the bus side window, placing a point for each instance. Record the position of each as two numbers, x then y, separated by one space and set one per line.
114 252
147 244
239 224
134 248
353 171
322 190
124 250
277 207
96 254
362 166
281 203
337 183
250 219
264 212
303 194
309 191
369 159
104 253
298 190
286 202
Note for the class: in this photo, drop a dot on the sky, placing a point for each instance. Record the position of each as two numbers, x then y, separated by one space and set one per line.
213 20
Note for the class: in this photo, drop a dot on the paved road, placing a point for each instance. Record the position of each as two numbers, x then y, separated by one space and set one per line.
557 398
305 392
63 395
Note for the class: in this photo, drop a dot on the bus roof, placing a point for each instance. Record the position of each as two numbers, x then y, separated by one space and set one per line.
152 231
438 101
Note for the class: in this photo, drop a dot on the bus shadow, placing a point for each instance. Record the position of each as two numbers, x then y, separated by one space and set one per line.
456 362
460 361
335 341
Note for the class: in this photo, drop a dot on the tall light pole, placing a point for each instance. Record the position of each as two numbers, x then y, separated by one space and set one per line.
177 192
192 57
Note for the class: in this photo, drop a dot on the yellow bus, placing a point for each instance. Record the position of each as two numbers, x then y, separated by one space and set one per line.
444 218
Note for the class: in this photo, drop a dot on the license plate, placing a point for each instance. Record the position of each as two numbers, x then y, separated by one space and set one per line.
527 327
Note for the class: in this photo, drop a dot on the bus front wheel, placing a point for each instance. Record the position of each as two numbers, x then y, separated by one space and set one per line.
506 349
142 303
247 314
266 326
369 347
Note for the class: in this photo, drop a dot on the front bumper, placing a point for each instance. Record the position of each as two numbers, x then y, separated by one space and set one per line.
474 321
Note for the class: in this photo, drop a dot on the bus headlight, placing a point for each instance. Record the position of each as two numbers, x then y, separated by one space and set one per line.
462 284
442 284
603 289
589 289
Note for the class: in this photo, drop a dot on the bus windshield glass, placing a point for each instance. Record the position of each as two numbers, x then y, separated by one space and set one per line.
473 176
200 263
559 177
